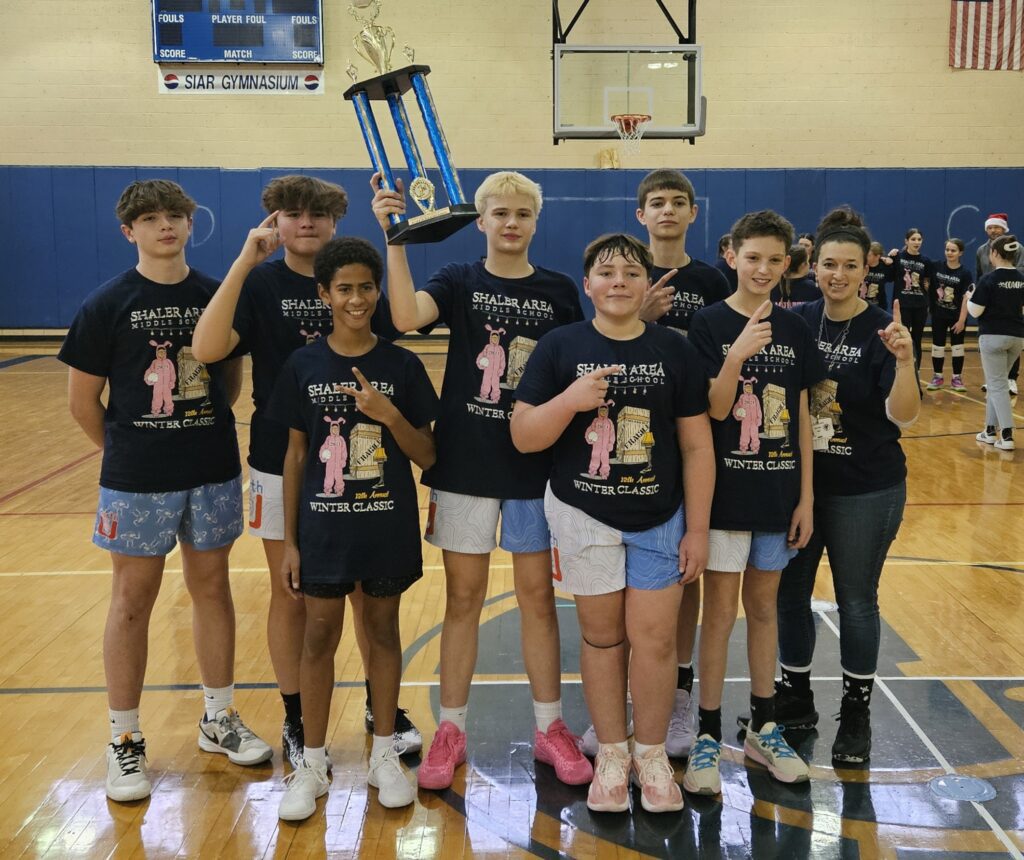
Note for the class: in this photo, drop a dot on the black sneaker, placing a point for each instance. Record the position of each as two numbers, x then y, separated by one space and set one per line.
853 740
292 743
408 739
793 712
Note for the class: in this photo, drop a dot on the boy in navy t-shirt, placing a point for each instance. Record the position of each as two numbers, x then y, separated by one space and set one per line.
762 360
269 308
667 207
496 311
170 472
622 404
358 409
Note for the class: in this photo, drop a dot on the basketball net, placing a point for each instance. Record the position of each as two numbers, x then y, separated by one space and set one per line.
631 128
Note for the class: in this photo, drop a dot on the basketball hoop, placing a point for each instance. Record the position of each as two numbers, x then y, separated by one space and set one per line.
631 127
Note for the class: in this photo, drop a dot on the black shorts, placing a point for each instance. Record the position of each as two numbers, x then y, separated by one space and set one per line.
375 587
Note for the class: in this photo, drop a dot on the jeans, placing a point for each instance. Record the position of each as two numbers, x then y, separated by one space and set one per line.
998 353
857 532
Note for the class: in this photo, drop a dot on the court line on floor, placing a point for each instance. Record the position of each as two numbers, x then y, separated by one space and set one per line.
10 362
58 471
986 816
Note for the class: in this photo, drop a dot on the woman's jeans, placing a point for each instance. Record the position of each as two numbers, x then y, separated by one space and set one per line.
857 532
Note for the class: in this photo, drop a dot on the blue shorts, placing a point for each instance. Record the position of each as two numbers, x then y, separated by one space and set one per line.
469 524
735 551
591 558
150 524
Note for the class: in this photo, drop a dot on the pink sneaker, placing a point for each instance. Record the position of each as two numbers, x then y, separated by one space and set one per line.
659 791
559 748
447 752
609 792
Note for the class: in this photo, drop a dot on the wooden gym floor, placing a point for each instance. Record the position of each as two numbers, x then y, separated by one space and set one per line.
949 700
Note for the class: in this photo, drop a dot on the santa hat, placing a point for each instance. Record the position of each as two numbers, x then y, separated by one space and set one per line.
997 219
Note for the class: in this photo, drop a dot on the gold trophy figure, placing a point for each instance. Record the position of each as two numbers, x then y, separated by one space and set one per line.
373 43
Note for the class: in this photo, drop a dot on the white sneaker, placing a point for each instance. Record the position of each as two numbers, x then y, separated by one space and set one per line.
391 780
682 727
986 437
1003 444
1013 387
302 787
589 743
126 768
227 734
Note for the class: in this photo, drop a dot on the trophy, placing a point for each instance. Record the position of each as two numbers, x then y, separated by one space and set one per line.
375 43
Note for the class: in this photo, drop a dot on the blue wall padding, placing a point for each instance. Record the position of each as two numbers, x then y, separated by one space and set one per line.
61 238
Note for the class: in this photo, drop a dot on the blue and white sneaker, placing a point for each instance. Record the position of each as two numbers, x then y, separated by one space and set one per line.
768 748
702 776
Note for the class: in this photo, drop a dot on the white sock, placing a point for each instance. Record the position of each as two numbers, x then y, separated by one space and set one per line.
622 747
381 745
123 722
546 713
218 699
639 749
455 715
315 756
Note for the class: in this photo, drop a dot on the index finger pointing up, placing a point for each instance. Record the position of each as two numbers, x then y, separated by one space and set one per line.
761 312
896 312
270 219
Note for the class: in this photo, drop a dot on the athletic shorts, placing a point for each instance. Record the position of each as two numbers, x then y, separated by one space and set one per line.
150 524
469 524
590 558
371 587
734 551
266 505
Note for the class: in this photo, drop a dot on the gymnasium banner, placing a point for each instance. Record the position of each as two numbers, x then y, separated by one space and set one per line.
188 80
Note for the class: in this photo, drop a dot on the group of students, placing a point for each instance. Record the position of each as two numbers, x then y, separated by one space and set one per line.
944 291
614 459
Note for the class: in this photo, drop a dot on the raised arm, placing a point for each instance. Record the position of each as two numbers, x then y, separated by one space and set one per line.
410 309
84 392
904 401
214 337
756 335
535 428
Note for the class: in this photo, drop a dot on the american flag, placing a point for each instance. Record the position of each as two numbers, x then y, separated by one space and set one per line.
986 34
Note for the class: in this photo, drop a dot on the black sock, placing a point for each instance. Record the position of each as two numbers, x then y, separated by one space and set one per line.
937 365
710 723
1007 433
958 365
685 678
367 682
292 709
762 710
797 683
857 691
991 429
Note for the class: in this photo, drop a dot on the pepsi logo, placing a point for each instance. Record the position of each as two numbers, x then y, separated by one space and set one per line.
312 82
171 81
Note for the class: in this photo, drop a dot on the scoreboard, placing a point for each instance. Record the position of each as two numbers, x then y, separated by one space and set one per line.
238 31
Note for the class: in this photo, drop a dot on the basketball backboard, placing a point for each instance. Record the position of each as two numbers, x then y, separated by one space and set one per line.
593 83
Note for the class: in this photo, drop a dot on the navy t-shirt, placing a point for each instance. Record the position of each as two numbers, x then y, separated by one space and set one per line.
731 277
864 453
495 324
358 510
168 424
948 288
910 271
790 293
757 447
278 311
620 463
696 285
874 284
1001 292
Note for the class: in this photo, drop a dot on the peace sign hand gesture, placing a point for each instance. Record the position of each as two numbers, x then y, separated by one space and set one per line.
370 401
896 337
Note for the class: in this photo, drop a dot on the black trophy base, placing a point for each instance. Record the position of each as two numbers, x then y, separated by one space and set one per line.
433 226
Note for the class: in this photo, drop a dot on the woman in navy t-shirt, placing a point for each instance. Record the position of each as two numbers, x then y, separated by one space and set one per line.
997 303
870 392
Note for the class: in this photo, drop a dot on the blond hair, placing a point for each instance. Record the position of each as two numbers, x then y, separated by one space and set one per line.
505 183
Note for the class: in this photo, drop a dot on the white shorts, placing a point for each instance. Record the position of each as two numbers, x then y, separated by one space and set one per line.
266 505
733 551
469 524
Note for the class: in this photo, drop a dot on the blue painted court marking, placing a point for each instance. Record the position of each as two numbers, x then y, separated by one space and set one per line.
21 359
993 825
